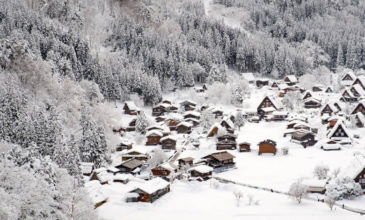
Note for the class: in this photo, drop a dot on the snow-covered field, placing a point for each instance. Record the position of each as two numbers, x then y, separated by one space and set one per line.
194 200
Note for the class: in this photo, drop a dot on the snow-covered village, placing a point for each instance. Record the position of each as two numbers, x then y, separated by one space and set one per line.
184 109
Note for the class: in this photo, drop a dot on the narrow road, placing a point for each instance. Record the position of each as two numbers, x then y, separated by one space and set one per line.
342 206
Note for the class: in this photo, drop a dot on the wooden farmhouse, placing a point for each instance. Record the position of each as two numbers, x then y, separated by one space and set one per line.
278 116
168 143
220 160
357 90
267 146
312 103
360 81
267 106
328 90
130 108
87 168
132 125
165 101
132 166
306 139
192 114
274 85
183 128
165 170
359 108
193 121
228 124
226 142
348 96
186 161
100 175
153 137
217 113
315 185
317 88
349 76
262 82
307 94
160 109
290 80
99 200
172 123
201 172
122 178
356 171
160 119
139 154
188 105
328 109
149 191
338 132
124 145
360 120
249 77
244 147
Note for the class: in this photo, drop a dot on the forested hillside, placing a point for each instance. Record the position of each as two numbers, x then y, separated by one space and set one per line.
62 62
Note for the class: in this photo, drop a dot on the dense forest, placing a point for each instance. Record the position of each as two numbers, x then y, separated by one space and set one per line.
63 61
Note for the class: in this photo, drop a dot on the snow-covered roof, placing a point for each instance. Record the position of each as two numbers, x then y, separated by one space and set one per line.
141 150
98 197
154 133
131 105
188 102
86 167
194 113
283 86
360 117
350 73
122 176
280 113
202 169
184 123
361 79
358 88
268 109
168 137
248 76
292 78
338 124
356 165
169 166
228 121
314 182
152 185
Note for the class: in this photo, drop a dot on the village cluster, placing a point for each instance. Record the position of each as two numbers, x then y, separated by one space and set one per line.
177 130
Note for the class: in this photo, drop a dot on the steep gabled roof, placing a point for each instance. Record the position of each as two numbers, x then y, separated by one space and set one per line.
339 124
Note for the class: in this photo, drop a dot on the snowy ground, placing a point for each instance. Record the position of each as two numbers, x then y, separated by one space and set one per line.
195 200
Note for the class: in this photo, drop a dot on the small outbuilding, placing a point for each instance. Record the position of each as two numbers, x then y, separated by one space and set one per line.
267 146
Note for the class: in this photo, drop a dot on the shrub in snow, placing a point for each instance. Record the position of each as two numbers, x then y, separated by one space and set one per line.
343 188
321 171
238 195
330 200
239 120
207 119
252 200
297 191
214 184
335 172
285 150
141 123
157 158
